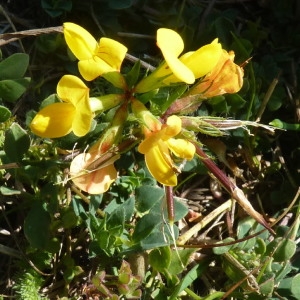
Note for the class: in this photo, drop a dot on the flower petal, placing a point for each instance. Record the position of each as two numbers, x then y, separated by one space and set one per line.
80 41
225 77
171 45
72 89
53 121
169 40
148 143
181 148
91 181
173 127
204 59
82 120
93 68
159 167
112 52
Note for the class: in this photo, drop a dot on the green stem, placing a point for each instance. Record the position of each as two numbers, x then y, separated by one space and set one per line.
214 295
192 294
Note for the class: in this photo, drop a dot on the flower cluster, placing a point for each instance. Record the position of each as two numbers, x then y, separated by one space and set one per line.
209 71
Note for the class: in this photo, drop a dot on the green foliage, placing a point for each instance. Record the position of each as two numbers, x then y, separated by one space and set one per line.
260 264
56 8
27 286
16 143
12 83
5 114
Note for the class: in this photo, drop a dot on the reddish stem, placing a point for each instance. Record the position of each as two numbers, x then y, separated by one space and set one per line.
170 204
212 167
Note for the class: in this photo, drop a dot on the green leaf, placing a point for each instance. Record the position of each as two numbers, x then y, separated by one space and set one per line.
179 260
115 78
235 101
94 204
284 288
276 99
145 226
160 258
144 98
49 43
244 226
260 246
79 209
266 284
106 241
14 67
189 278
116 219
147 196
133 75
180 209
158 237
36 226
16 142
57 7
165 97
53 98
282 125
223 249
12 89
281 270
223 27
9 191
295 286
126 208
218 104
69 218
5 113
282 249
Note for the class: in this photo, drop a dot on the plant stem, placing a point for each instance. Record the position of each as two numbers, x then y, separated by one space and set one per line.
231 188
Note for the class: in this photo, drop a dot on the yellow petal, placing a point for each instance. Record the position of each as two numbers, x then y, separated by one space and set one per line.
91 181
159 167
149 142
181 148
204 59
72 89
179 69
173 127
93 68
225 77
168 39
111 52
53 121
82 121
171 45
80 41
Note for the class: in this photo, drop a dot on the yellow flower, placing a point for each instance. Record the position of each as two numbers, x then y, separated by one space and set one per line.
92 173
157 148
73 114
95 59
186 68
225 77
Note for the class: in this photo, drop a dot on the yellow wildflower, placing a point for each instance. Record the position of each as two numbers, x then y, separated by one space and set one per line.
185 68
72 114
95 59
158 146
225 77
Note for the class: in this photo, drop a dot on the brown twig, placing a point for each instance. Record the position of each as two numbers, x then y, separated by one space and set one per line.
7 38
